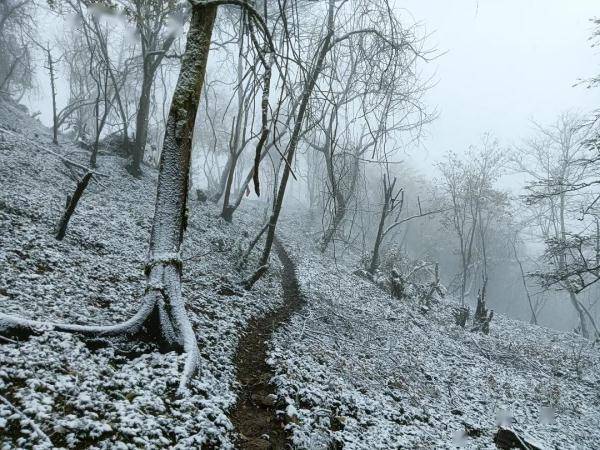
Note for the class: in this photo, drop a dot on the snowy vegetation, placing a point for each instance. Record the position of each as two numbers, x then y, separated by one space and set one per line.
211 239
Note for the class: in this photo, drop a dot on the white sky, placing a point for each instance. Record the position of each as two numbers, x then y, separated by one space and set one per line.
507 62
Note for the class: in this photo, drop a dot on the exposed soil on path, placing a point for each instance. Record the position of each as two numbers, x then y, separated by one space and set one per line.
254 415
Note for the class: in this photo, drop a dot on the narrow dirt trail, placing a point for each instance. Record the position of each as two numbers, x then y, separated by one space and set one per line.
254 415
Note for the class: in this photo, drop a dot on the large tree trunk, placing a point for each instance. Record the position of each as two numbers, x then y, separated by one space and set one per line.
164 263
162 311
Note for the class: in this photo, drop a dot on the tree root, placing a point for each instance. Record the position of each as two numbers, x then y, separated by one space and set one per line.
19 326
173 329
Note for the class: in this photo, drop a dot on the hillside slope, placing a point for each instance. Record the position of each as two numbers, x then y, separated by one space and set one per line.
356 368
119 396
361 369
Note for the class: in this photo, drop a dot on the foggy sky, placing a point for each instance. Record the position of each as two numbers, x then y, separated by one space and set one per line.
501 64
506 62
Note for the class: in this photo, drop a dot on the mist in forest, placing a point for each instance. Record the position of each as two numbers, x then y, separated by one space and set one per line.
495 70
336 169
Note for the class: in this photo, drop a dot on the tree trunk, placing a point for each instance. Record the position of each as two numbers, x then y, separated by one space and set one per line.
53 92
533 320
113 79
246 182
216 196
581 313
234 150
375 258
97 131
162 311
164 267
71 205
306 95
141 125
227 211
94 155
339 211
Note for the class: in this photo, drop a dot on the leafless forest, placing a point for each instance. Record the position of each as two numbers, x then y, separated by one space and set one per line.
299 224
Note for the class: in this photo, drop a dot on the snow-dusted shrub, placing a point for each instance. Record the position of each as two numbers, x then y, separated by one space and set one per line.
406 278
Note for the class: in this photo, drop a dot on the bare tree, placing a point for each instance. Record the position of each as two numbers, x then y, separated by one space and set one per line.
102 104
533 306
50 66
239 128
79 98
17 25
373 95
556 192
393 206
96 37
389 35
473 204
151 20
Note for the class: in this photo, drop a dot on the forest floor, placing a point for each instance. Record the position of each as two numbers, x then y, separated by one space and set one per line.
361 369
255 414
351 367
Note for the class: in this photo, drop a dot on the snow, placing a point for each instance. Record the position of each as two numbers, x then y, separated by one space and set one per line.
120 396
366 370
355 369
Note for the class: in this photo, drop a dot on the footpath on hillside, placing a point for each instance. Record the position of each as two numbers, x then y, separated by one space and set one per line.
255 413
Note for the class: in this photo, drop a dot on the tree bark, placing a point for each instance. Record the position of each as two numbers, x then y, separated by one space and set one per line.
164 266
141 126
71 205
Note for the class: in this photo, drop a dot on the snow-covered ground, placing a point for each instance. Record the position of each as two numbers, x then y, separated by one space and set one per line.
360 369
356 369
121 396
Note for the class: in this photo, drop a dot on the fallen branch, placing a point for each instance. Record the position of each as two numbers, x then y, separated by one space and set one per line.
64 160
507 438
37 430
12 341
